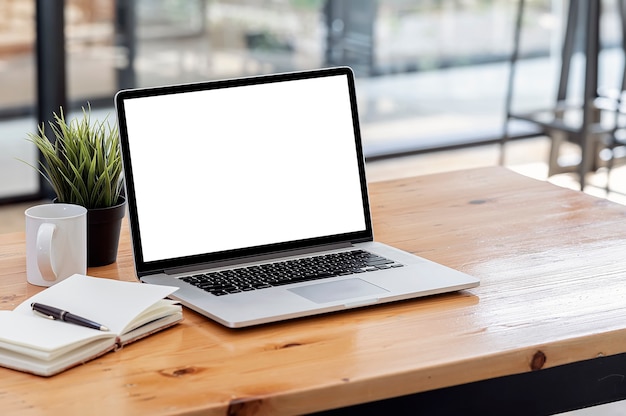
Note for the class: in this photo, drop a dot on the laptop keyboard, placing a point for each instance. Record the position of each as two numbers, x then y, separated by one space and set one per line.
291 271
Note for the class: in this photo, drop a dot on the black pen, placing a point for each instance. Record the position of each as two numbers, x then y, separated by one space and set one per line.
61 315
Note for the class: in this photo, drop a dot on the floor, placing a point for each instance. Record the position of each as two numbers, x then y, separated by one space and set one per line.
527 157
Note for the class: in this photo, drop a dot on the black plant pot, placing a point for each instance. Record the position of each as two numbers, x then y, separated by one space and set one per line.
103 233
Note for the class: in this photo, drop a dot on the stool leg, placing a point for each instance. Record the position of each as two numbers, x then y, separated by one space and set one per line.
592 42
511 80
567 50
557 138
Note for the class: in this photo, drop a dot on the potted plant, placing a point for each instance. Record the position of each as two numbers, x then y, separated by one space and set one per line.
83 164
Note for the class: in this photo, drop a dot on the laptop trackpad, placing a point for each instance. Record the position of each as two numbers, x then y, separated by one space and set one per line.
339 290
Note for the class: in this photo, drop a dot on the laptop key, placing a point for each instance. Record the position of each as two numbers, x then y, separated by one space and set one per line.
378 261
264 286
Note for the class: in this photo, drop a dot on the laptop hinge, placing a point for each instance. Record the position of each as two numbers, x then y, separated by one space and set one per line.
261 257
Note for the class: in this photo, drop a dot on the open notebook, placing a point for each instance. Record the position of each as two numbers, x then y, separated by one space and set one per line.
241 173
34 344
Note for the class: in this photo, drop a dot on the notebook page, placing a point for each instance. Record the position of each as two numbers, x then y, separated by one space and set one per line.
44 339
112 303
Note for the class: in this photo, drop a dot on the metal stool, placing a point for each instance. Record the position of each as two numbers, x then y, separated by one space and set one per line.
591 124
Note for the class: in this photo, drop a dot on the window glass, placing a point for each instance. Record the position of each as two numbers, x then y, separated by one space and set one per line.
430 73
17 95
91 54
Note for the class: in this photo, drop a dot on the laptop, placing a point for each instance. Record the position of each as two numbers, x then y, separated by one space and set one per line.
250 196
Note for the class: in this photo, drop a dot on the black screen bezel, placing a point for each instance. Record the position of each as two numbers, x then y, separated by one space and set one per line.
144 267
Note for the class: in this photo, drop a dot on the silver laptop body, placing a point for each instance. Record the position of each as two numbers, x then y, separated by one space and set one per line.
246 172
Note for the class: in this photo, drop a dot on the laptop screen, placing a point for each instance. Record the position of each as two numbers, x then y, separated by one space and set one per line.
221 168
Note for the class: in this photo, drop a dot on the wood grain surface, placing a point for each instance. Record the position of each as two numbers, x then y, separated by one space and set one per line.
553 291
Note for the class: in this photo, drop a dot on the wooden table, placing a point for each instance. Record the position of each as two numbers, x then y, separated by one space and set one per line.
548 320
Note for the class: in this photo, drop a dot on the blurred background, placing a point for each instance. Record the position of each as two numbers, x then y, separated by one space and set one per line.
431 74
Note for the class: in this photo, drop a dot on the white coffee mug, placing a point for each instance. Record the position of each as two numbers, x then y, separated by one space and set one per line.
56 243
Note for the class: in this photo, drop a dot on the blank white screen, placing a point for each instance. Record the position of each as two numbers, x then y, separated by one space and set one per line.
241 167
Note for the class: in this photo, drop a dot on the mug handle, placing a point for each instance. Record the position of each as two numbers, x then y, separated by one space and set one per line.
44 251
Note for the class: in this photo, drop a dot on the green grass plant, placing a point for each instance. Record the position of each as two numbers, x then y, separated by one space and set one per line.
83 163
